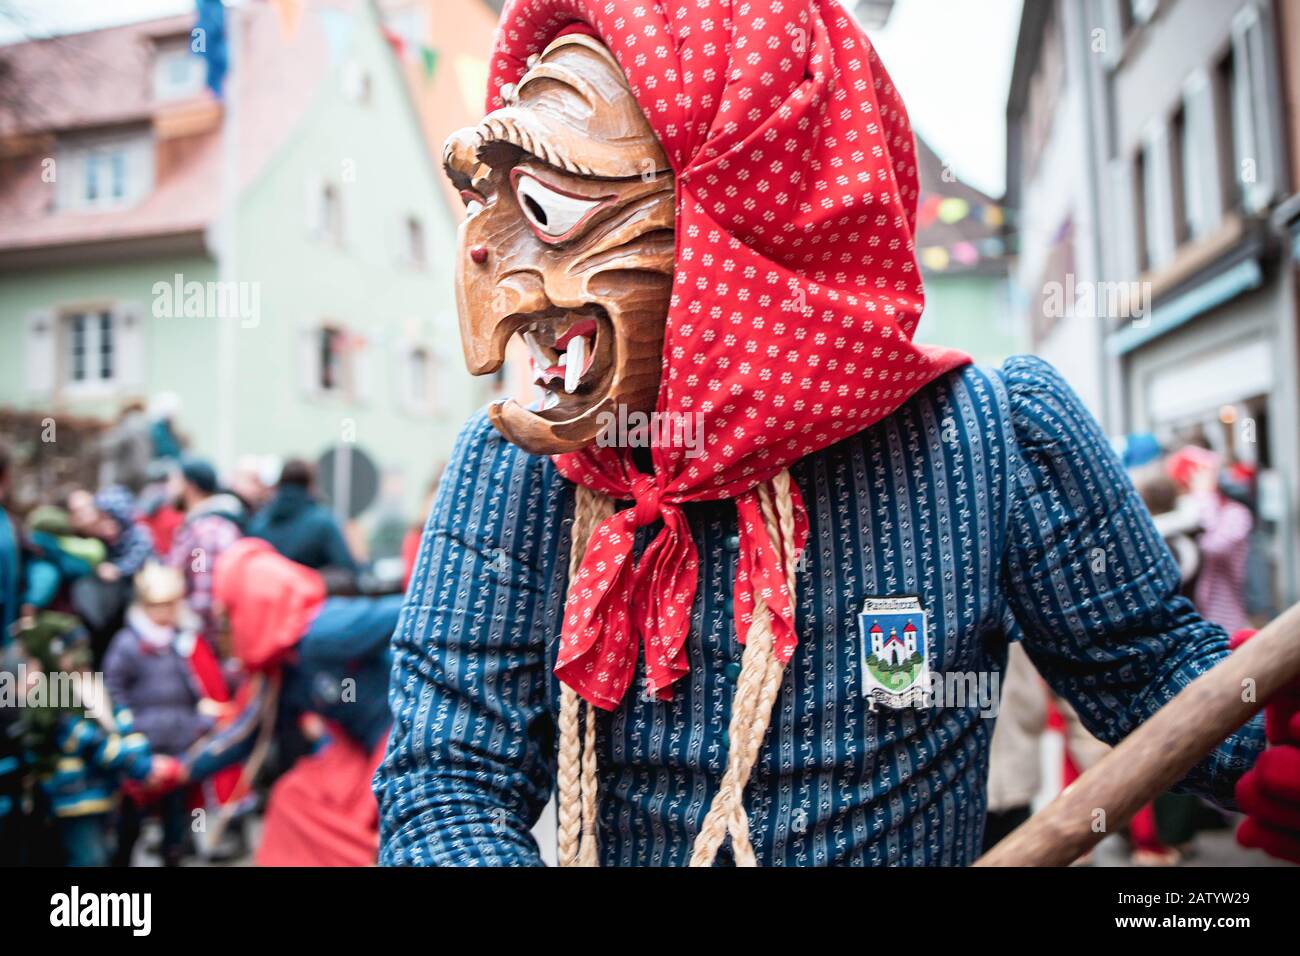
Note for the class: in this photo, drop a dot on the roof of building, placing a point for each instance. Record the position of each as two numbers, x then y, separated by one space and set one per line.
102 80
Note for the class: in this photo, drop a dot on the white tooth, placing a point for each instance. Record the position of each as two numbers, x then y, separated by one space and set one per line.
473 207
564 359
576 353
535 348
550 401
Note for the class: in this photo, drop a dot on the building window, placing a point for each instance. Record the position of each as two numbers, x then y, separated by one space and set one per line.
1243 73
1045 88
331 360
104 176
90 348
416 377
177 74
331 213
418 368
104 172
1196 163
325 211
1141 211
1181 153
414 236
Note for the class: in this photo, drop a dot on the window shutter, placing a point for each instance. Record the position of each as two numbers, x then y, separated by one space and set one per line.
130 353
312 189
1119 257
308 361
1113 24
1158 193
356 83
345 201
398 373
397 241
1255 143
361 352
1144 10
40 352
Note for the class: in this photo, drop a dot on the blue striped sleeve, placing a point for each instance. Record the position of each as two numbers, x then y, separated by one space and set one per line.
1091 586
469 762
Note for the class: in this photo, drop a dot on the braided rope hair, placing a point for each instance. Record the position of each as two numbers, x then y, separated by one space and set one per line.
751 713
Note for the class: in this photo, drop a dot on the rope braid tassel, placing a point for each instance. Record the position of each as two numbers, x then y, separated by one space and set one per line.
576 771
756 693
757 689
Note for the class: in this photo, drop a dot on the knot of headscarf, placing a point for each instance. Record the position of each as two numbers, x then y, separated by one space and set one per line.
646 495
618 604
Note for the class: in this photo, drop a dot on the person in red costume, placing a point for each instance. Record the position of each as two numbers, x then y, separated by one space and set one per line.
1269 793
313 660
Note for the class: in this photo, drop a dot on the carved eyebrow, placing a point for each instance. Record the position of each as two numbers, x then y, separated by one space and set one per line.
497 129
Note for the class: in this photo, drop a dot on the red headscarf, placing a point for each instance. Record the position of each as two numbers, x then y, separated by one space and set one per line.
796 293
270 600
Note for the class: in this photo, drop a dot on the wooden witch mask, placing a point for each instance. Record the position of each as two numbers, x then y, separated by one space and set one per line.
568 243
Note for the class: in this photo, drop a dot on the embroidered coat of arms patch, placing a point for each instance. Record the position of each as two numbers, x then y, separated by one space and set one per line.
895 654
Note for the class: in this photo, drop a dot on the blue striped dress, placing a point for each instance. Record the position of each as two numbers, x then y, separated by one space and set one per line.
992 496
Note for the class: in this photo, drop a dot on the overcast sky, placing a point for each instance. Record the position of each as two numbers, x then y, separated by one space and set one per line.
950 58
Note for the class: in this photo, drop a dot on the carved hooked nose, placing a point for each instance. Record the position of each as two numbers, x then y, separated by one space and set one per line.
486 328
460 157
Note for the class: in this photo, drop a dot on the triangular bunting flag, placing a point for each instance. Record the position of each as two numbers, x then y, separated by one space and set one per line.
338 28
290 14
429 61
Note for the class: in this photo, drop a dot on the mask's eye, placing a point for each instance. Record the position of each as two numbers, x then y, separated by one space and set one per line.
552 214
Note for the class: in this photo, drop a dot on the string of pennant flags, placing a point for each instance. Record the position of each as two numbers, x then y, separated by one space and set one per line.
961 255
950 210
337 25
411 51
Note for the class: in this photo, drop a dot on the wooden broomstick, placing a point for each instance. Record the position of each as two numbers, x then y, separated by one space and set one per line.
1159 753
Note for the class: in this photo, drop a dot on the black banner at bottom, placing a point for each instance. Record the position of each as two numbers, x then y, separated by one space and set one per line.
287 908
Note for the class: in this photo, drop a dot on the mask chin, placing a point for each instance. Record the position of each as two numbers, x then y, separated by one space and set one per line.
538 434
